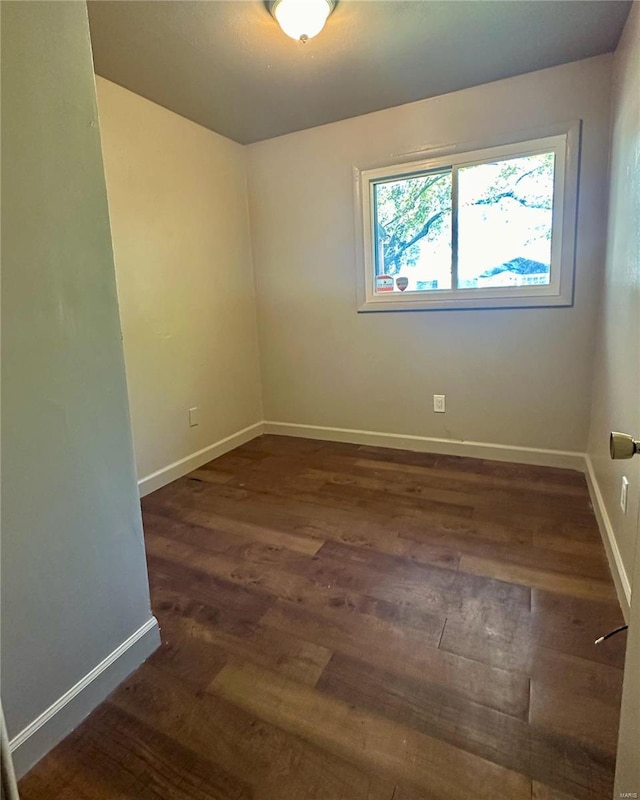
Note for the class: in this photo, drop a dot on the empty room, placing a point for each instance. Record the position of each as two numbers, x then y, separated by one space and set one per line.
320 400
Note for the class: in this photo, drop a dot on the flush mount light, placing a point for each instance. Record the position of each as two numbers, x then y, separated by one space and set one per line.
301 19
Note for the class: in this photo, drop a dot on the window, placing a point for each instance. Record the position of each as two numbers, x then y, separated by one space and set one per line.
491 227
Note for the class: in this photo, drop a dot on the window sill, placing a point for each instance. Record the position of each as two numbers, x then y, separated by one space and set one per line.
507 299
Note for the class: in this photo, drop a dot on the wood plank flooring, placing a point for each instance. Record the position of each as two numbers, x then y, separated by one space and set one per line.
355 623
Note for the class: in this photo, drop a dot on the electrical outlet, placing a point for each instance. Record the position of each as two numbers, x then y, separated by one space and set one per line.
623 495
194 417
438 403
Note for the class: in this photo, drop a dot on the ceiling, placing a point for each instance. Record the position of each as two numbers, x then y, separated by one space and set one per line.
227 65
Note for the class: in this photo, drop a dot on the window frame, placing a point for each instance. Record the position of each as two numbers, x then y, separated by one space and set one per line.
562 139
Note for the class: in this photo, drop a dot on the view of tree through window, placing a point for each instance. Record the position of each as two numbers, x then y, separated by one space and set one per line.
504 221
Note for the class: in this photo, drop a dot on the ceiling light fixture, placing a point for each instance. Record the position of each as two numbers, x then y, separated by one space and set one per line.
301 19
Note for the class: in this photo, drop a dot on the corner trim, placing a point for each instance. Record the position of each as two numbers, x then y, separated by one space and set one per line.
62 716
620 577
566 459
187 464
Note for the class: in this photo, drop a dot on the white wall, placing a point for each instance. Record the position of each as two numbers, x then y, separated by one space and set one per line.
180 225
74 581
616 388
514 377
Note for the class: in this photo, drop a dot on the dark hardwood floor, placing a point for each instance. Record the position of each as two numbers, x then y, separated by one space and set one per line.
354 623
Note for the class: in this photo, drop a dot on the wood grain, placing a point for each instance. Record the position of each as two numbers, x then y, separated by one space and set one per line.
551 580
513 743
371 741
357 623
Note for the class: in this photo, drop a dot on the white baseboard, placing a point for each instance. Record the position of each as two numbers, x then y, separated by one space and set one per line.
68 711
566 459
185 465
41 735
620 577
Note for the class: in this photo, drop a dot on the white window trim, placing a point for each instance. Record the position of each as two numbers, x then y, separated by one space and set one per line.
563 139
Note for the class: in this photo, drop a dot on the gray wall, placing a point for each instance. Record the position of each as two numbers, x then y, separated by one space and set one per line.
74 583
616 388
616 393
513 377
180 224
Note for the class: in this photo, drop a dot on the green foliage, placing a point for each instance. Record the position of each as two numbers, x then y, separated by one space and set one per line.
408 211
412 210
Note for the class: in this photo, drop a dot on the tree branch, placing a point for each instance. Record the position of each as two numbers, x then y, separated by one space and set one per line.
529 172
420 235
489 201
395 248
413 200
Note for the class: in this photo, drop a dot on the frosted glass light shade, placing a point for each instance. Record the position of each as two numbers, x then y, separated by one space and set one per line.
302 19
